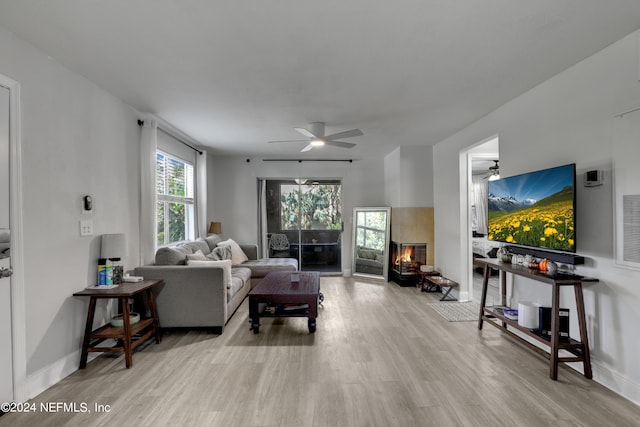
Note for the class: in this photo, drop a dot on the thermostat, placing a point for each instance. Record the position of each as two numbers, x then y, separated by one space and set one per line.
593 178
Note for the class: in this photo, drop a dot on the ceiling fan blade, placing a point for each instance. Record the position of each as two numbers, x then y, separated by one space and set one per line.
306 133
341 144
346 134
290 140
307 148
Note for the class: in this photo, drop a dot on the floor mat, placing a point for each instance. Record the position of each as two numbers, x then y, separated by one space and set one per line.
457 311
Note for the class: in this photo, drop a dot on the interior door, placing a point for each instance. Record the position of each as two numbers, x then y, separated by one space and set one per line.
6 349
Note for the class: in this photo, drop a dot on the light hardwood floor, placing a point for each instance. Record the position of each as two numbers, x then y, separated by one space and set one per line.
380 357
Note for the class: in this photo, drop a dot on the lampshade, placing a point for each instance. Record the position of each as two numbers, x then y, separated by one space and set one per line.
215 228
114 246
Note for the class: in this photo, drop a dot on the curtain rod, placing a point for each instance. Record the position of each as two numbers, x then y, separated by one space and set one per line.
141 123
308 160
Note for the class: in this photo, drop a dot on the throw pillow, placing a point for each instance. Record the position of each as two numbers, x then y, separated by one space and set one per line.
196 256
212 240
237 254
220 253
224 264
171 256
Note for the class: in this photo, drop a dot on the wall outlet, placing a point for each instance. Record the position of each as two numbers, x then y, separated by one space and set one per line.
86 227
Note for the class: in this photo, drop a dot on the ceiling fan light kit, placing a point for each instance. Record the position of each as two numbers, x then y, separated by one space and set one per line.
317 138
495 171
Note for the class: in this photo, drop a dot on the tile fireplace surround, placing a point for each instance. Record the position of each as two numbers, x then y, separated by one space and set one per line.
410 225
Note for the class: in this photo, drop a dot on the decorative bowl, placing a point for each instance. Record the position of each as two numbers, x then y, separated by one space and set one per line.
118 322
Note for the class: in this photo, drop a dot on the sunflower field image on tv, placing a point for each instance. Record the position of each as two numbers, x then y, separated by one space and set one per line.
534 209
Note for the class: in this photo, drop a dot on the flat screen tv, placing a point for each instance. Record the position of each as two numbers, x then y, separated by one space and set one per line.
534 209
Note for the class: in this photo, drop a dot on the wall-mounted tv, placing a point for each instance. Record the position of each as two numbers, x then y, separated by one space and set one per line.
535 209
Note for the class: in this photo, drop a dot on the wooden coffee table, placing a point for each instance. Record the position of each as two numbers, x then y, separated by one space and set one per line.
277 296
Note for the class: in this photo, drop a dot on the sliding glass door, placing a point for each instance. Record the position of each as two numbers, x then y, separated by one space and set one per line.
304 221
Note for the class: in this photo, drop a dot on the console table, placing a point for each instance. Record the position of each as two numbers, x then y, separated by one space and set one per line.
145 328
578 349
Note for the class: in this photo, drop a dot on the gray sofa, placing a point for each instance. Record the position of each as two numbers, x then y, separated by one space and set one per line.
205 294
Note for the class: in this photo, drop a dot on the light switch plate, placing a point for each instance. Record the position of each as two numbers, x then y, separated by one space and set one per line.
86 227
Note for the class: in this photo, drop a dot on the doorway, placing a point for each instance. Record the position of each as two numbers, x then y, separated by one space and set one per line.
12 330
478 165
303 220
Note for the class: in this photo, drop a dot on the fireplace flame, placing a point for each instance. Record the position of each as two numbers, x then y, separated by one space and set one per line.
405 256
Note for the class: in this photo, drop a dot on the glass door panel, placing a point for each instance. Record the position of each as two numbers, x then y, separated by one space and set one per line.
309 213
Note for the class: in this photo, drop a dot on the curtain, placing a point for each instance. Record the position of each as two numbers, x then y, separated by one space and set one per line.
480 188
148 147
263 245
201 195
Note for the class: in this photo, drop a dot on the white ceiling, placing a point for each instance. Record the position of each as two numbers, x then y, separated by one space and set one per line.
235 74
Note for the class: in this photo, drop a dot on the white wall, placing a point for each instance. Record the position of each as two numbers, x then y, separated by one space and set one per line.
408 172
76 140
233 191
566 119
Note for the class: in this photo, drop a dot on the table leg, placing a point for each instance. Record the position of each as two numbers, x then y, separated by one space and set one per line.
154 314
312 324
254 315
503 292
126 321
483 298
582 323
555 332
445 297
87 333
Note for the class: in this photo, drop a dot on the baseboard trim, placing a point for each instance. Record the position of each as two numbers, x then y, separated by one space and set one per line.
50 375
616 382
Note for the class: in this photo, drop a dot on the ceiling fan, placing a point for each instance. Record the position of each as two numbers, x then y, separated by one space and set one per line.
317 138
494 172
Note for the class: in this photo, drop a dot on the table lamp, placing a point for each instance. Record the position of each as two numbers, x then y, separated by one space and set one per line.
215 228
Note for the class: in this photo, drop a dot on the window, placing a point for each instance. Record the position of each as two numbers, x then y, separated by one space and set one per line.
175 201
313 206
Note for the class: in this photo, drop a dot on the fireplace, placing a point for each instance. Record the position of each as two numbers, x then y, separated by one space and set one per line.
406 259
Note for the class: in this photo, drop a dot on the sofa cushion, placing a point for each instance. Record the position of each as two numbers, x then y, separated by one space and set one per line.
241 272
260 267
212 241
225 264
175 255
196 256
237 255
220 252
236 285
239 277
197 245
